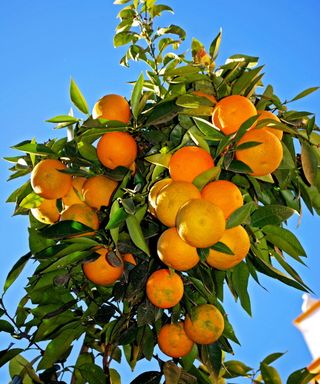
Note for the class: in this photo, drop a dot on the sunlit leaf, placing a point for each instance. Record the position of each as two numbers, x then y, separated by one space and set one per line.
77 98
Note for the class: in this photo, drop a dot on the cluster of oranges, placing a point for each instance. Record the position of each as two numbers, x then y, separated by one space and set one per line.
193 218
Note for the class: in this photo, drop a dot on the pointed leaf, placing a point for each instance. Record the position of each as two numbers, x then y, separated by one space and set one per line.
269 374
77 98
271 214
309 160
136 234
16 270
214 46
304 93
136 96
241 215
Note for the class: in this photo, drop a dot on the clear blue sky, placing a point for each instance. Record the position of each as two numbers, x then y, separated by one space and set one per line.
44 43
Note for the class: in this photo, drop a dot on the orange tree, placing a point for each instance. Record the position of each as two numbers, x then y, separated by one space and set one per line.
147 209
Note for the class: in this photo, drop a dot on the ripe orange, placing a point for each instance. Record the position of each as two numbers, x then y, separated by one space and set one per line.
238 241
74 196
153 194
205 325
231 111
188 162
176 253
164 289
47 212
129 258
112 107
173 340
200 223
83 214
206 95
97 191
223 194
171 198
48 182
100 271
269 115
116 149
263 158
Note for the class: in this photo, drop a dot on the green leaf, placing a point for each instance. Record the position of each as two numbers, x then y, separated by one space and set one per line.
214 46
162 159
271 215
235 368
284 239
16 270
115 377
188 360
77 98
241 215
272 357
301 376
208 129
172 29
304 93
136 234
123 38
31 201
8 354
21 367
309 160
117 218
244 81
64 229
93 374
136 96
37 149
87 151
210 174
211 356
240 278
5 326
151 377
60 346
221 247
269 374
63 119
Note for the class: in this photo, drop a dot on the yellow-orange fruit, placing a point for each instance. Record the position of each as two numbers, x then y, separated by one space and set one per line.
189 162
48 182
171 198
74 196
263 158
153 194
205 324
232 111
164 289
116 149
112 107
100 271
176 253
200 223
269 115
97 191
83 214
224 194
238 241
173 340
47 212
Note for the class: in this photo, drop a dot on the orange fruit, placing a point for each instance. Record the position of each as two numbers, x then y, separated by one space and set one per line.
263 158
205 325
176 253
83 214
206 95
47 212
231 111
173 340
128 258
269 115
100 271
238 241
200 223
112 107
48 182
189 162
164 289
116 149
153 194
171 198
74 196
224 194
97 191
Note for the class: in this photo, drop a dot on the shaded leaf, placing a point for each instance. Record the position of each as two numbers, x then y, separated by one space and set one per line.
16 270
269 374
240 278
241 215
152 377
272 214
309 160
214 46
136 234
8 354
301 376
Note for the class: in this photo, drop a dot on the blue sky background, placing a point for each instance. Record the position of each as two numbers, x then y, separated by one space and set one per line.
45 43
